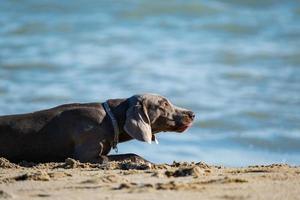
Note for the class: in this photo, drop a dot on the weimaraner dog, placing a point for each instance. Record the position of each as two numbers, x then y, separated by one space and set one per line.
89 131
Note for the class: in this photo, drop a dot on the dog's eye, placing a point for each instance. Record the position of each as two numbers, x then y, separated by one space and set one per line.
166 104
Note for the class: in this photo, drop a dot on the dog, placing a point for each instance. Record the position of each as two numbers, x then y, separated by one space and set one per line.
88 131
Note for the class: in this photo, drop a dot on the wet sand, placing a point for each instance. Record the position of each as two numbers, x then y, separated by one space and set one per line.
128 180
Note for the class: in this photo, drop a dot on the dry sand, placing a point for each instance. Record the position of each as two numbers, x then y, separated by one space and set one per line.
127 180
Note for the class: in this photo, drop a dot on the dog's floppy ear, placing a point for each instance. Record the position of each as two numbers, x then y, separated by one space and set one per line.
137 123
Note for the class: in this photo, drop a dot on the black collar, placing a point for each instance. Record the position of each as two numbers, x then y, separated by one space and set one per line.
115 125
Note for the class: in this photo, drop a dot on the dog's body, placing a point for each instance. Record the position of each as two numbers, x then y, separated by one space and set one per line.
85 131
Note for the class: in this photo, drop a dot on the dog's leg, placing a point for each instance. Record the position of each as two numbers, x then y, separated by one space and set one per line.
90 153
129 156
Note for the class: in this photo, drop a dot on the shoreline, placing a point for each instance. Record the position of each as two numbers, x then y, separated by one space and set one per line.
127 180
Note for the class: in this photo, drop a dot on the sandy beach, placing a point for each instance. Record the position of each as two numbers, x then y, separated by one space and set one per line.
127 180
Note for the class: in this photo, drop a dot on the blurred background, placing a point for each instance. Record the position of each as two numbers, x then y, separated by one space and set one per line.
236 63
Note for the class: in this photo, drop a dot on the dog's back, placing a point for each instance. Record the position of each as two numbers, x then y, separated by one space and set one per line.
19 134
30 136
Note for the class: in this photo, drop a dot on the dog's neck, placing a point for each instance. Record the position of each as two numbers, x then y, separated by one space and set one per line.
119 108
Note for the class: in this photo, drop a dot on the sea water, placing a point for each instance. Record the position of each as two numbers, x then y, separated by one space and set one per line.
235 63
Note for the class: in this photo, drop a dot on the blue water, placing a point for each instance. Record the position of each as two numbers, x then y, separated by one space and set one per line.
236 63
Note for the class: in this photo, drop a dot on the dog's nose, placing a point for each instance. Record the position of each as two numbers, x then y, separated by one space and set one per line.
191 114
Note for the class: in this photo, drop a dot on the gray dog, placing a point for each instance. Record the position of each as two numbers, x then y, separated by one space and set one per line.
88 132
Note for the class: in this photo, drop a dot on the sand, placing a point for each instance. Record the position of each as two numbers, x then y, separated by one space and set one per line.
127 180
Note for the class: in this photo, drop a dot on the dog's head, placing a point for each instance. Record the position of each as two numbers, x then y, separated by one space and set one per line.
149 114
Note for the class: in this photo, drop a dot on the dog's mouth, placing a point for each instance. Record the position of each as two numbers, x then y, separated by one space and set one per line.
184 127
179 128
